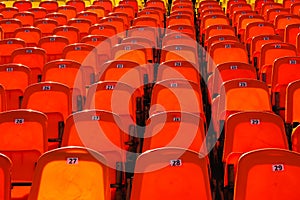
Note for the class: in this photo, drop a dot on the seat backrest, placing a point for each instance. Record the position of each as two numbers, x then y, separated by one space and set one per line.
243 95
175 129
178 69
278 171
165 165
229 71
70 32
54 46
23 139
176 95
14 78
32 57
83 171
247 131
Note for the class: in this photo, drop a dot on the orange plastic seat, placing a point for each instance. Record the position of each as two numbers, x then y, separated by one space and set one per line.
93 17
14 78
126 71
182 28
215 30
7 46
243 22
83 53
78 4
26 18
23 141
9 13
285 70
99 10
132 52
54 46
9 26
176 95
118 23
177 38
106 128
30 35
50 5
69 32
106 95
39 12
243 95
165 164
141 31
178 69
69 11
256 29
230 71
295 140
3 102
69 73
277 170
106 4
82 171
272 13
269 53
281 21
222 52
105 30
46 26
179 52
59 17
22 5
256 44
247 131
125 8
291 32
32 57
148 45
103 46
83 25
53 99
174 129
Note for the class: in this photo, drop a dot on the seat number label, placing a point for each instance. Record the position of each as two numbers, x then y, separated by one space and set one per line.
277 167
175 163
72 161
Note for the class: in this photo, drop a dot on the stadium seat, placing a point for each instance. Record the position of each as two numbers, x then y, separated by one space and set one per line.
9 26
165 164
54 100
59 17
46 26
14 78
69 11
31 35
107 128
23 141
83 25
285 70
32 57
82 171
269 53
50 5
26 18
277 171
54 46
175 129
7 46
